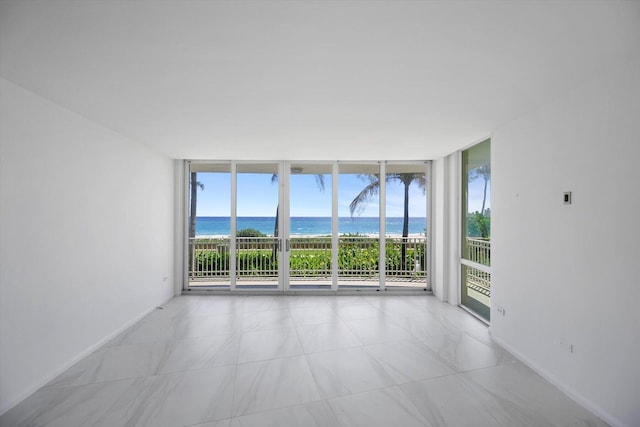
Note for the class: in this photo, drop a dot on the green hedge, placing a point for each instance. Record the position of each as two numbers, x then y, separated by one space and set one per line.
352 257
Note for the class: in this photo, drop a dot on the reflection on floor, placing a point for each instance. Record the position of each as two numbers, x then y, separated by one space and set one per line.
301 361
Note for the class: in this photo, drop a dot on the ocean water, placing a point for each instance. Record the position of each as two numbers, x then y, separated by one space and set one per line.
307 226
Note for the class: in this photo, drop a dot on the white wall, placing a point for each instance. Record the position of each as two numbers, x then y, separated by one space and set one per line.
568 275
86 230
446 259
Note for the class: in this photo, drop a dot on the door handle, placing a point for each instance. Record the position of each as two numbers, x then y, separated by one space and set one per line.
287 247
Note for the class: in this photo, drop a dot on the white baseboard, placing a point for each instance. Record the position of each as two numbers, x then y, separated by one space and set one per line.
6 406
587 403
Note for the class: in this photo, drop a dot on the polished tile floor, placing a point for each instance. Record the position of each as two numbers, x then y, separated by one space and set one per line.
232 361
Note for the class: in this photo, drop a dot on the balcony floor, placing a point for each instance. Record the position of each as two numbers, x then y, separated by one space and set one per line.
312 283
241 360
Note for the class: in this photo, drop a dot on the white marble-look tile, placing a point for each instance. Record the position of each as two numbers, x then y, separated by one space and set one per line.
300 301
313 315
269 344
465 353
166 312
347 371
68 406
455 318
264 303
179 367
113 363
314 414
510 399
393 304
379 408
162 329
221 423
220 305
175 307
427 302
178 399
199 353
534 397
204 326
377 330
326 336
272 384
361 310
408 360
421 323
346 299
268 319
454 401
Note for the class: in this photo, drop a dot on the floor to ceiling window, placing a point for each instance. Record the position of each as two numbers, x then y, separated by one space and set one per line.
307 226
209 226
406 225
476 229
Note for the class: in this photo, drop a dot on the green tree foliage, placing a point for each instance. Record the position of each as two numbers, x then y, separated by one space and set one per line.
478 225
250 232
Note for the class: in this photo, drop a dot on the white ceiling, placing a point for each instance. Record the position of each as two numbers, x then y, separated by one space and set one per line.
310 79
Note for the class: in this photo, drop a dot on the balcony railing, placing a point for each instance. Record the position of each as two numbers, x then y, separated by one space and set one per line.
479 250
309 258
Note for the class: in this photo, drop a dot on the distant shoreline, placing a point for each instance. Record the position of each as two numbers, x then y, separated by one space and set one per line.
311 226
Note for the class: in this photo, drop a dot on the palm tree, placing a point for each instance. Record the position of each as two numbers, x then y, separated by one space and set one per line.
483 172
373 189
194 203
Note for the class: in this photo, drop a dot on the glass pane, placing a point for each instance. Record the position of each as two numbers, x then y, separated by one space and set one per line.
477 290
359 226
406 216
257 253
310 226
209 225
476 225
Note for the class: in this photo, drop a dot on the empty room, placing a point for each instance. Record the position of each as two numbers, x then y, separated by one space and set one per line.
319 213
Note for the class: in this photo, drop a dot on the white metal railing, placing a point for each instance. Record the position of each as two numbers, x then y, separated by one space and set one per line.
406 257
478 279
477 265
479 250
309 257
208 259
257 257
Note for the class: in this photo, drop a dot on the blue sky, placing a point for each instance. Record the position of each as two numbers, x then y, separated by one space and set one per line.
258 196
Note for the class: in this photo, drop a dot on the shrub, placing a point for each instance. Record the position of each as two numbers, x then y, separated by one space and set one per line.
250 232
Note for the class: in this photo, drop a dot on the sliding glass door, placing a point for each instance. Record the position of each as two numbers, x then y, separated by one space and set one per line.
309 242
359 188
209 226
258 237
476 229
307 226
406 226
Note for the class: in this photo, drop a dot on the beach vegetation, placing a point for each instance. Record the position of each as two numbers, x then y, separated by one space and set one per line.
355 257
250 232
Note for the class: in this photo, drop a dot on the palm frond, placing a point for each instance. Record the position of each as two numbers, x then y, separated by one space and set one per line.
320 181
359 203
